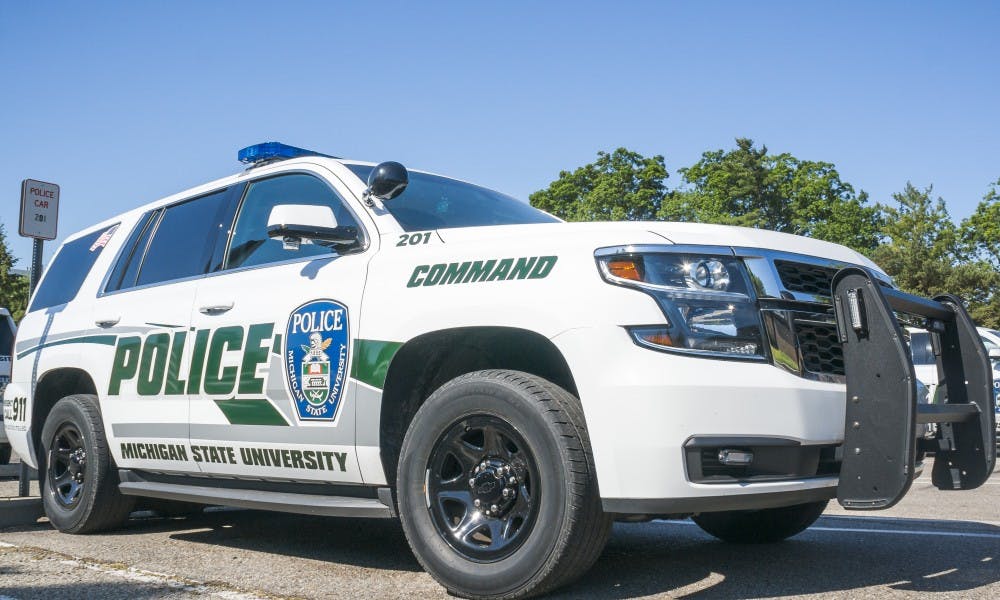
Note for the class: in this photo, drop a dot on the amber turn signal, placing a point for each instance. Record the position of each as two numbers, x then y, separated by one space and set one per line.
658 337
626 268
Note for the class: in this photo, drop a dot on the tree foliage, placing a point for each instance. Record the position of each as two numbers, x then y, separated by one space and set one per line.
920 242
981 231
13 288
922 250
620 186
747 186
913 238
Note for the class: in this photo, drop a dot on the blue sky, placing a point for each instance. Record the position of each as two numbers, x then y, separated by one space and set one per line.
124 103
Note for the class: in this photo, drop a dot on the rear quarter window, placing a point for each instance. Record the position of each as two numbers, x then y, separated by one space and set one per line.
70 268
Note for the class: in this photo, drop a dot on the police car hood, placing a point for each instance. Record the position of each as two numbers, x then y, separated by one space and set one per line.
601 234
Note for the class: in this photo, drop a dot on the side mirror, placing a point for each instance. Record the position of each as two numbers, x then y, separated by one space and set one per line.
387 180
294 223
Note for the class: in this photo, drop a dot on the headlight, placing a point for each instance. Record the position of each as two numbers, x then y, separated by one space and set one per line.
705 297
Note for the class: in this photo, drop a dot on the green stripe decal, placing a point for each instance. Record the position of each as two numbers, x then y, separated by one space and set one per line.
251 412
371 361
104 340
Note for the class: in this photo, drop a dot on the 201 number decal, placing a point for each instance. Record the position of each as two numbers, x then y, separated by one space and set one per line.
414 239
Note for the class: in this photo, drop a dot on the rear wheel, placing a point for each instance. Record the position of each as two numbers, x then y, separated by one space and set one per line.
496 486
80 482
760 526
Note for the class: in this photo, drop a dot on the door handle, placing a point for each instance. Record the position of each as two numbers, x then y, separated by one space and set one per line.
105 323
215 309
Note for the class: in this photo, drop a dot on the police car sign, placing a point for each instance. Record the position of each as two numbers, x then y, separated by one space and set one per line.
39 209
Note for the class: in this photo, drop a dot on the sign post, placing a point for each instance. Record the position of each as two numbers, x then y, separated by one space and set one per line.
39 220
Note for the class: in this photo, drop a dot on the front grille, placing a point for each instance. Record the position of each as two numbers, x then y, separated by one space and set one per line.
795 292
820 347
804 278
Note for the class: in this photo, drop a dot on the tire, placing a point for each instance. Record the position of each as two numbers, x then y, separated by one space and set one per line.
80 481
5 451
760 526
551 528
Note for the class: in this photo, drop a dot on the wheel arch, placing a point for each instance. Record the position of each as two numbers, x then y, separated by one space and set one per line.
53 386
426 362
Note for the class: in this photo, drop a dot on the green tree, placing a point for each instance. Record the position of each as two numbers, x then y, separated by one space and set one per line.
922 252
748 187
981 231
620 186
13 288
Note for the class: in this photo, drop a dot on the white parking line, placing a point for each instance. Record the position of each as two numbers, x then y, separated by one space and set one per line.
907 520
992 536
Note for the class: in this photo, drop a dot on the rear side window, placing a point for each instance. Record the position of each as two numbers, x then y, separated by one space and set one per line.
69 268
127 267
183 240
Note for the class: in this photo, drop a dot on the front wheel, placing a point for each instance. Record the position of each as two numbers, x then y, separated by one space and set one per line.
760 526
79 483
496 486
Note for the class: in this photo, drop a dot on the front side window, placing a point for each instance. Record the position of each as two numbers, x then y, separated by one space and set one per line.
183 240
434 202
70 268
251 246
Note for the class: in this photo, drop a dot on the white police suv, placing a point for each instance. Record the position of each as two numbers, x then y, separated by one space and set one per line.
332 337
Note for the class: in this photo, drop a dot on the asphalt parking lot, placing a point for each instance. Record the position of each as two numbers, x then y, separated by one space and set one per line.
945 543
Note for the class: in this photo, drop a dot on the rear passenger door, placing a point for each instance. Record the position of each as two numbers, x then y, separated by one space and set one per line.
146 304
277 325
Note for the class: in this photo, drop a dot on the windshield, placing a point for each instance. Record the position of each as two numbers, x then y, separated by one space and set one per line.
990 344
433 202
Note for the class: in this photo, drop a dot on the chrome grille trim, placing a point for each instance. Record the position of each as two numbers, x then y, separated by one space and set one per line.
767 279
799 329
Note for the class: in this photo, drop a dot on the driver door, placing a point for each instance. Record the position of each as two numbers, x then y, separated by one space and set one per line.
275 328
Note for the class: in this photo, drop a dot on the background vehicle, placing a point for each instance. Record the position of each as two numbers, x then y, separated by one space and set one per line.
995 360
924 363
7 331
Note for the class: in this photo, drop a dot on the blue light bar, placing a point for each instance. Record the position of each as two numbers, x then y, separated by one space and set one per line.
269 151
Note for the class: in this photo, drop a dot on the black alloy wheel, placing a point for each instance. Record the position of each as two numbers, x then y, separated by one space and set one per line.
67 465
78 475
483 488
496 489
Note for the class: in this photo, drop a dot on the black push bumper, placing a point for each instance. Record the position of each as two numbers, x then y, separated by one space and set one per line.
880 436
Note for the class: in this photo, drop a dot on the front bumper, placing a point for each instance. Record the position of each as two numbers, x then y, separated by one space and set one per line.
643 408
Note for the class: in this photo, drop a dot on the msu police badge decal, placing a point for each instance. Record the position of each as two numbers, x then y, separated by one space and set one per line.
316 358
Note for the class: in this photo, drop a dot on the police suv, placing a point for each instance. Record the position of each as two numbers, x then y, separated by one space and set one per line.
334 337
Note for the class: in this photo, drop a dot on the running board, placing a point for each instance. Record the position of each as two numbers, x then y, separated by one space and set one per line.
133 484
